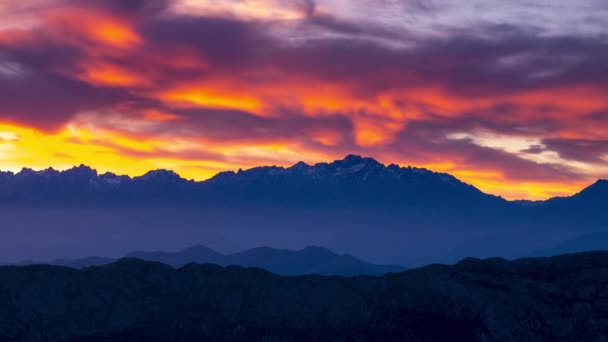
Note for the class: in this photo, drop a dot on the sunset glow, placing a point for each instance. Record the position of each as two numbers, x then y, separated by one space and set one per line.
198 87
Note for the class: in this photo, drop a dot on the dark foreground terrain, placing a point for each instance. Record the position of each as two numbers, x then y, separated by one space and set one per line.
546 299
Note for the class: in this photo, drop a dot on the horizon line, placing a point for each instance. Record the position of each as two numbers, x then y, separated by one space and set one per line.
202 180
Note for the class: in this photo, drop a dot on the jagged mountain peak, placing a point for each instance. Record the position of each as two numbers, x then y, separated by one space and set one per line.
49 172
351 167
354 177
81 171
26 171
353 164
353 159
299 166
161 175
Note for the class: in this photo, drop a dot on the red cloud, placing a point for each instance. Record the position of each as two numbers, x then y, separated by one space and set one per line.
328 88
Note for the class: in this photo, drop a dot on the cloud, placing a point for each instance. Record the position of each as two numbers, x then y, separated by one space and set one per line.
48 101
431 83
588 150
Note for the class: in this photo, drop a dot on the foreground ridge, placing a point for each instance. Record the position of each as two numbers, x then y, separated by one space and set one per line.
558 298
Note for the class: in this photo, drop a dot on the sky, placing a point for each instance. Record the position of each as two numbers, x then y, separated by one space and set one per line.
509 96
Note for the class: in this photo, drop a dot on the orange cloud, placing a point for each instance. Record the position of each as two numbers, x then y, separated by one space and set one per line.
201 88
114 33
110 75
69 24
213 99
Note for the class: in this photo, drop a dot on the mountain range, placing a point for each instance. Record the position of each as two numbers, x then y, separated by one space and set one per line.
310 260
353 181
562 298
356 205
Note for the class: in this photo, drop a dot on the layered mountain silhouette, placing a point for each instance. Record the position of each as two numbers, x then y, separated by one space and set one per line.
310 260
549 299
385 214
353 181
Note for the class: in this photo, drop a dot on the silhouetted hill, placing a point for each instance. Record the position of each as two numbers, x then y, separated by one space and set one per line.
77 263
310 260
196 254
549 299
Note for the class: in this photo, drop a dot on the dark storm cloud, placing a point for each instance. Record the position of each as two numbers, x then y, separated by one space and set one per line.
47 101
586 150
234 126
125 7
222 41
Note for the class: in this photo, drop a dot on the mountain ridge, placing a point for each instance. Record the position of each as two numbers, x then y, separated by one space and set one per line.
352 167
356 205
350 182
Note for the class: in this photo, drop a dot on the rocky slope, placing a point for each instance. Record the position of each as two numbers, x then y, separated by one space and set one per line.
549 299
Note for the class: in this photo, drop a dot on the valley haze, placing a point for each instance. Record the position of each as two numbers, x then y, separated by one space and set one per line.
382 214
